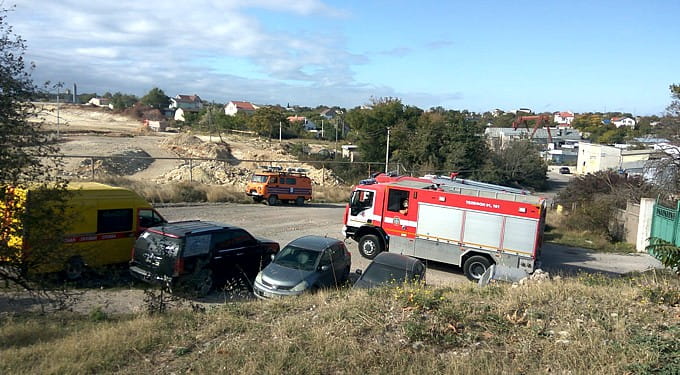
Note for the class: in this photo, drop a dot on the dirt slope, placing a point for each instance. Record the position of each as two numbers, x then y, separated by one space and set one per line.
92 132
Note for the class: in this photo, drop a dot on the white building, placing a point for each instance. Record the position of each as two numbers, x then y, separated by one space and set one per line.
563 118
233 107
623 121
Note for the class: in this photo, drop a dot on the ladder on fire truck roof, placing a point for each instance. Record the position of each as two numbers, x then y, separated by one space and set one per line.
482 189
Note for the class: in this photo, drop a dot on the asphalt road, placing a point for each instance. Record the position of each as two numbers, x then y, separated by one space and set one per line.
284 223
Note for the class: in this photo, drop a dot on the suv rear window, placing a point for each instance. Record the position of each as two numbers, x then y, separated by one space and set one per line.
159 244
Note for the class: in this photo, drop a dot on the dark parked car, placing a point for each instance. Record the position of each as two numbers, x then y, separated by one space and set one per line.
565 170
307 263
193 255
391 268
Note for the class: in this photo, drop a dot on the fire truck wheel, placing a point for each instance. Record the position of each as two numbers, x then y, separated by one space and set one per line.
299 201
74 268
272 200
475 266
369 246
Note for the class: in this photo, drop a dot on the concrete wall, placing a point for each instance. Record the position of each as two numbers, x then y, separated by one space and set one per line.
626 222
634 224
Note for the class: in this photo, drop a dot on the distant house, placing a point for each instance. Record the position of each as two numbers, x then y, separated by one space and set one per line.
596 157
330 113
232 108
623 121
186 102
497 112
650 141
349 151
306 124
100 102
499 138
563 118
180 113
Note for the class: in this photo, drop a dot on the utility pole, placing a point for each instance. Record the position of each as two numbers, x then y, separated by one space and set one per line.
321 129
210 127
387 151
58 86
335 148
280 131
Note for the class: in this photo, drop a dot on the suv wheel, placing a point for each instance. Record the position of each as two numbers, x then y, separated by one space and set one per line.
272 200
299 201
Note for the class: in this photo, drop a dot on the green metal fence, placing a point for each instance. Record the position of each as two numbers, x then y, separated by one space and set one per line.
666 223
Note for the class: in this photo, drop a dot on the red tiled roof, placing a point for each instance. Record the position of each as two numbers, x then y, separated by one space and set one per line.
566 114
188 98
296 118
244 105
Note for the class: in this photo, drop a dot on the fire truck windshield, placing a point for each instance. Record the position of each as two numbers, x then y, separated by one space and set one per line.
360 200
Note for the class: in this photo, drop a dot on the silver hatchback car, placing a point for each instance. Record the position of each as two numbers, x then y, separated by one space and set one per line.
306 264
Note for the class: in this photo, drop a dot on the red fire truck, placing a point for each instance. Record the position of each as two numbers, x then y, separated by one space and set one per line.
449 220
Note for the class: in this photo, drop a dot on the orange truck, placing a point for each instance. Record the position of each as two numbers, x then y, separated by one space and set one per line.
103 224
274 184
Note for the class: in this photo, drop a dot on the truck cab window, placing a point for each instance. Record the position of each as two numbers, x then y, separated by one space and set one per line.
397 201
117 220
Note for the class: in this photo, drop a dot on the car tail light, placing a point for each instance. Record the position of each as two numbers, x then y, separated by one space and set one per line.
179 266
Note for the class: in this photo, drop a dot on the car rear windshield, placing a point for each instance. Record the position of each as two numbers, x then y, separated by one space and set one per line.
382 274
297 258
259 178
159 244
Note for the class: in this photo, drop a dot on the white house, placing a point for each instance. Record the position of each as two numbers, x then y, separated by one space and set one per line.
623 121
330 113
233 107
349 151
563 118
307 124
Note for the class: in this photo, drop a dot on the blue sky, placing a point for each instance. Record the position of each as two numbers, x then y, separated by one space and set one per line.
476 55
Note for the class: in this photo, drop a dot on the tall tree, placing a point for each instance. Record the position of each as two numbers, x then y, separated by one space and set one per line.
519 164
370 125
122 101
24 163
266 121
22 144
156 98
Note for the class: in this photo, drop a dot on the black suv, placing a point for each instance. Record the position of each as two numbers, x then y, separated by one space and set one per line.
193 255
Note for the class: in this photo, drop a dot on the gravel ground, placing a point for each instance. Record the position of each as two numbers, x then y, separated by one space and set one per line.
284 223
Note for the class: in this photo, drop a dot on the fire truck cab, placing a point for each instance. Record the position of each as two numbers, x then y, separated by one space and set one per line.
455 221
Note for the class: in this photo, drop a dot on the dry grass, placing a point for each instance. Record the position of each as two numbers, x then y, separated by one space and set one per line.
583 325
556 232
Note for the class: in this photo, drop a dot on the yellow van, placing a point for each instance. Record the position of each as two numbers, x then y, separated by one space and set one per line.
104 222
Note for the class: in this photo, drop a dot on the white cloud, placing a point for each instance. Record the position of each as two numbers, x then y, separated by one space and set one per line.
108 53
189 47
